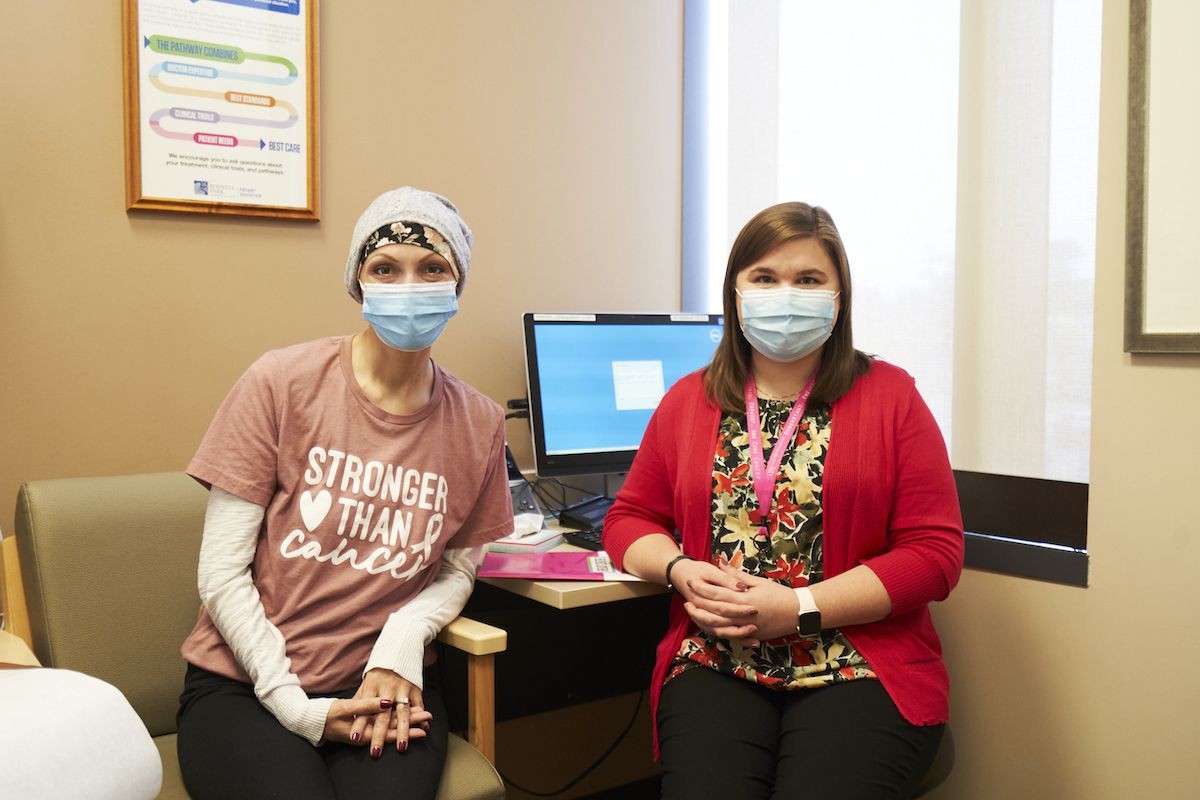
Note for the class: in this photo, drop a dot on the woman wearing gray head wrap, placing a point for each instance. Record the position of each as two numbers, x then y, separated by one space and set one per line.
353 481
410 205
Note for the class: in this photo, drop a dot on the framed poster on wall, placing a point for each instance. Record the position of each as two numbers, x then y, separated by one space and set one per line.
221 107
1162 240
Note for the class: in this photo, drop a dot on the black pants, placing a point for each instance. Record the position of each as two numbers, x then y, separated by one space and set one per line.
727 738
232 747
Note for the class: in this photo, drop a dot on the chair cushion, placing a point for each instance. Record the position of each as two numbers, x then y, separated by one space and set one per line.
172 785
468 775
109 566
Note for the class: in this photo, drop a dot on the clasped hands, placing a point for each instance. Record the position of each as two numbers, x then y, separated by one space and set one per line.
377 714
729 603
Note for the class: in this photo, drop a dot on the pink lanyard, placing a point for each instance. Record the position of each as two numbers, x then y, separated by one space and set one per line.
764 479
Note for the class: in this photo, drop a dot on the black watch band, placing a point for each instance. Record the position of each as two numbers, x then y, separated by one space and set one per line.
671 565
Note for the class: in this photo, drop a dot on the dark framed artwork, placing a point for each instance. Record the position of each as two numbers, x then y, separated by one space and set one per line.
1162 245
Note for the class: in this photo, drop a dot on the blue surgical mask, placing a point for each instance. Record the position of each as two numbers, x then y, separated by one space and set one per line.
787 324
409 316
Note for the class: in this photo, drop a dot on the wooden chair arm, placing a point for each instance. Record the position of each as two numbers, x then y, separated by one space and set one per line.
12 601
473 637
15 653
480 642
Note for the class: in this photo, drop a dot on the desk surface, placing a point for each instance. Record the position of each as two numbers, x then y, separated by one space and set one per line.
575 594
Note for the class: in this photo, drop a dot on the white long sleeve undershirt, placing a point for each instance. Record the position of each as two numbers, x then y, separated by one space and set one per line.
231 528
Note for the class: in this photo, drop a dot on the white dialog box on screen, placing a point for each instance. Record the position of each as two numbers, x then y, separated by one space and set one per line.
638 384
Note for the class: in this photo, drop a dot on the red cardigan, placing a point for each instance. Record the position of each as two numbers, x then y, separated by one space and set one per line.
888 501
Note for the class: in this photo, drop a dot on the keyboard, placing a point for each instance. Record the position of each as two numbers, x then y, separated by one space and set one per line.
588 538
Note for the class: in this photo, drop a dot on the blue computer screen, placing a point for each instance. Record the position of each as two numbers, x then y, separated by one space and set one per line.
600 383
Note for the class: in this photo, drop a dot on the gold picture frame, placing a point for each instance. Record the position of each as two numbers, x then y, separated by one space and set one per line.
1159 272
221 109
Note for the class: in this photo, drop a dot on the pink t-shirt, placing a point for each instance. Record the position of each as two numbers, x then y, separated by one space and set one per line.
359 503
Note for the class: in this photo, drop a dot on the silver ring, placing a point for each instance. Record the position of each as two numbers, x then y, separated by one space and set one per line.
403 701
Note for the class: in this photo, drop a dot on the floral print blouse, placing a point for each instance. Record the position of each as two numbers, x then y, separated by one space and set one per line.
790 552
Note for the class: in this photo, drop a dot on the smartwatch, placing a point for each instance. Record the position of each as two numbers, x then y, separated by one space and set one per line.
808 621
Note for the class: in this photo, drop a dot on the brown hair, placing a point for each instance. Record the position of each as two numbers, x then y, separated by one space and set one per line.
841 364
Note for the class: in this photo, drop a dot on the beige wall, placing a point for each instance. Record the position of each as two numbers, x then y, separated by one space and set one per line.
1091 693
554 126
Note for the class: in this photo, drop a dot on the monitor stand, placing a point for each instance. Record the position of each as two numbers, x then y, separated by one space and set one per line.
587 513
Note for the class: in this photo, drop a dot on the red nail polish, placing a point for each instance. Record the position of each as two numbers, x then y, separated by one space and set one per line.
355 736
402 745
385 703
742 587
376 752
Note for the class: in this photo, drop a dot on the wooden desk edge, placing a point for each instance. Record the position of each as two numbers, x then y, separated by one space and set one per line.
565 595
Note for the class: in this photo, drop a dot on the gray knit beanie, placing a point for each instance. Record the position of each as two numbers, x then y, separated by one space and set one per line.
407 204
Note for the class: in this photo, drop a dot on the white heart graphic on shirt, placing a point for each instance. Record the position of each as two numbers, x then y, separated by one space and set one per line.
314 509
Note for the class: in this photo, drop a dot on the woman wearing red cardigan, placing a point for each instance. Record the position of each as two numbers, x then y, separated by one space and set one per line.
818 518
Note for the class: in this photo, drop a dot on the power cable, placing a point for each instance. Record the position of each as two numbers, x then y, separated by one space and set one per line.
620 738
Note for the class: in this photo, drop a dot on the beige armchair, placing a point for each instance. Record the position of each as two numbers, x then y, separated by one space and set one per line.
108 566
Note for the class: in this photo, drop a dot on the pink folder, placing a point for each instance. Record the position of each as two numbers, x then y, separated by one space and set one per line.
581 566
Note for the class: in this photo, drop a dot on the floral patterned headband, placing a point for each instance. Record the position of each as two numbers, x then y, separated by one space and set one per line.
409 233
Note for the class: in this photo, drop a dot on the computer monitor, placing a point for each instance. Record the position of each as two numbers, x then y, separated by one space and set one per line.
595 379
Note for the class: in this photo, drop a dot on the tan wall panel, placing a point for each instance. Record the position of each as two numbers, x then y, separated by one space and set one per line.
554 126
1090 693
